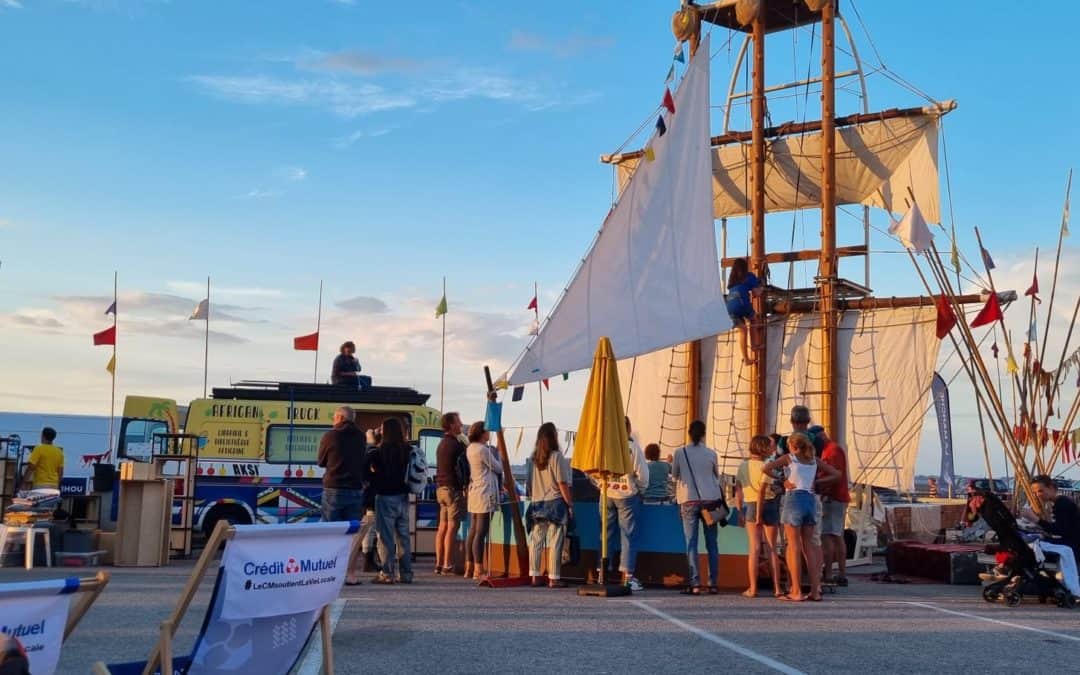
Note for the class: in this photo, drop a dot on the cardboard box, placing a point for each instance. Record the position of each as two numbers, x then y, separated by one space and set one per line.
105 541
138 471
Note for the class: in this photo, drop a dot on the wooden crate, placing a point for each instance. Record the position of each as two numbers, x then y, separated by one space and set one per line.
142 531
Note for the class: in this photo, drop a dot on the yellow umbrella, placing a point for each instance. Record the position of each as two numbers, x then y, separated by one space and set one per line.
602 444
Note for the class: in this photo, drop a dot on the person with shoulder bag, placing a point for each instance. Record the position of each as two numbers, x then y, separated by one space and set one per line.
551 506
700 498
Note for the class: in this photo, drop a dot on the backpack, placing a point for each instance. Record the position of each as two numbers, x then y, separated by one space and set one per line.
462 471
416 477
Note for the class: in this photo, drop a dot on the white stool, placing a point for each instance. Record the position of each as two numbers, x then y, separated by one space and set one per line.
28 534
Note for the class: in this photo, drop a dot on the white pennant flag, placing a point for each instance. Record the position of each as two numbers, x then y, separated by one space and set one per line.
202 312
534 327
912 230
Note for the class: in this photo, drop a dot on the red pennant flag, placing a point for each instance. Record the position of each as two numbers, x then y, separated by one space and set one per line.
532 303
946 319
546 385
105 337
306 343
669 101
990 313
1033 291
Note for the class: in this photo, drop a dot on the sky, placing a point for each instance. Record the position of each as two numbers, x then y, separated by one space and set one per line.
271 145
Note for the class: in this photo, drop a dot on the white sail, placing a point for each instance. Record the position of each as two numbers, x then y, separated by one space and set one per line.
651 279
877 163
885 363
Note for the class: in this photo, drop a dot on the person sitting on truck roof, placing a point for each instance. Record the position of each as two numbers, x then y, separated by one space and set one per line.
45 468
346 368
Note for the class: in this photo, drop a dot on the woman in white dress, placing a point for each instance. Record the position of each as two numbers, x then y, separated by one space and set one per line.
484 472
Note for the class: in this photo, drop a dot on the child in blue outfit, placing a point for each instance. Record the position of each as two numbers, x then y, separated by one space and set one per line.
742 285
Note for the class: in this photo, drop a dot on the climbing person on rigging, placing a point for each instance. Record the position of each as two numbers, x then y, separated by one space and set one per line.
742 286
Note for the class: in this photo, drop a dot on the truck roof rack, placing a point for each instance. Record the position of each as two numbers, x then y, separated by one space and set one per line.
260 390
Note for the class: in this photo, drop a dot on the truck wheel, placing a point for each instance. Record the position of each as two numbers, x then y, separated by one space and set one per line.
230 513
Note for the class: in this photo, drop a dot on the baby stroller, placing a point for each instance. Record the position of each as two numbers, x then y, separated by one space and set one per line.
1018 571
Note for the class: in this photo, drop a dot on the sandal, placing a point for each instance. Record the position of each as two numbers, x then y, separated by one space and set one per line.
814 599
383 580
788 598
748 594
448 571
556 583
691 590
713 590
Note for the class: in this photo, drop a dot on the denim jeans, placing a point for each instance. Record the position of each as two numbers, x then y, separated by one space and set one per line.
546 534
691 515
392 522
625 511
342 504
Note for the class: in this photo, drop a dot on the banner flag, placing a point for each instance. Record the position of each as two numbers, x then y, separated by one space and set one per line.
202 311
299 568
944 416
307 343
37 622
105 337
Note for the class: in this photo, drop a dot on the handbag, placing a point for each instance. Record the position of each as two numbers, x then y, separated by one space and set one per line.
712 512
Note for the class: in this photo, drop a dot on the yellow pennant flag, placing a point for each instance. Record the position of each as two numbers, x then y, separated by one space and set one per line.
649 154
1010 365
955 253
110 367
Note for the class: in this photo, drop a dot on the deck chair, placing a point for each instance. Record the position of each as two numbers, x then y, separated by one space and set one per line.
33 612
248 626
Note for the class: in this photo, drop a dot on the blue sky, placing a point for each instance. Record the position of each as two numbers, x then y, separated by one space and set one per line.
273 144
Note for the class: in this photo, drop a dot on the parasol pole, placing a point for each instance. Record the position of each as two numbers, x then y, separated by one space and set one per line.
318 329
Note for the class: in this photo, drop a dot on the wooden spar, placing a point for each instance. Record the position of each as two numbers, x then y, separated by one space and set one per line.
808 306
1057 386
693 382
827 266
998 419
796 128
757 338
806 254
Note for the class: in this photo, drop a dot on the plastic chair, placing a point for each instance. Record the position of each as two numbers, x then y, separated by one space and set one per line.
29 537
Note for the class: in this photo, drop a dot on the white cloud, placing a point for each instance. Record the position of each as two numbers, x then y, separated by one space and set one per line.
342 98
362 63
565 47
12 4
360 134
293 173
199 288
258 193
363 304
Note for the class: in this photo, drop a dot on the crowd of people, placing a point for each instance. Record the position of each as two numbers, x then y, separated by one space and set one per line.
791 489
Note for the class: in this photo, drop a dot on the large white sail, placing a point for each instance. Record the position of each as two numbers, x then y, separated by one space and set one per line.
885 361
651 279
877 163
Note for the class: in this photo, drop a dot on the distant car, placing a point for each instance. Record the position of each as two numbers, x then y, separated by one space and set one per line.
996 486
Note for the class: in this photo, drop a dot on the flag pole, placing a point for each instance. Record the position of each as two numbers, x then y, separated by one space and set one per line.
318 328
442 366
206 342
112 396
540 384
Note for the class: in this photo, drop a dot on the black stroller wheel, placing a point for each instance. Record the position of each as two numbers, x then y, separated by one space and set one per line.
1013 599
991 593
1065 599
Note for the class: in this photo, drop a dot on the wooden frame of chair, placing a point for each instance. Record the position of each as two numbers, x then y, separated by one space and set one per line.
162 653
89 589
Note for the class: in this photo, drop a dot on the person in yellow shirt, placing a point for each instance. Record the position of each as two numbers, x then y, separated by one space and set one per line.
46 466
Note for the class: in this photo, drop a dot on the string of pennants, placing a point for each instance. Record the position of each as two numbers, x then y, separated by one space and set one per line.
1069 441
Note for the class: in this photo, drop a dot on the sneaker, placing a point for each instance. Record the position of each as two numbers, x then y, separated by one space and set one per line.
634 585
405 579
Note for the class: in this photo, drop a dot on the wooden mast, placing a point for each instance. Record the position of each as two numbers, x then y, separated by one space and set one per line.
758 418
827 266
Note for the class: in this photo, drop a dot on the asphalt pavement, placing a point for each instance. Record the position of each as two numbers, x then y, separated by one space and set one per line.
448 625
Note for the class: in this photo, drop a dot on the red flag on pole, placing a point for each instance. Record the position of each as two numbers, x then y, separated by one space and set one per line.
546 385
307 343
669 101
1033 291
990 312
946 319
532 304
105 337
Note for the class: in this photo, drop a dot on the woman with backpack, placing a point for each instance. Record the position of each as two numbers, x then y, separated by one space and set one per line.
697 490
551 506
484 471
389 468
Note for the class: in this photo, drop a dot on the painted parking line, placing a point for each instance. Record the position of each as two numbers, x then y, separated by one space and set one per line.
987 619
311 662
715 639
